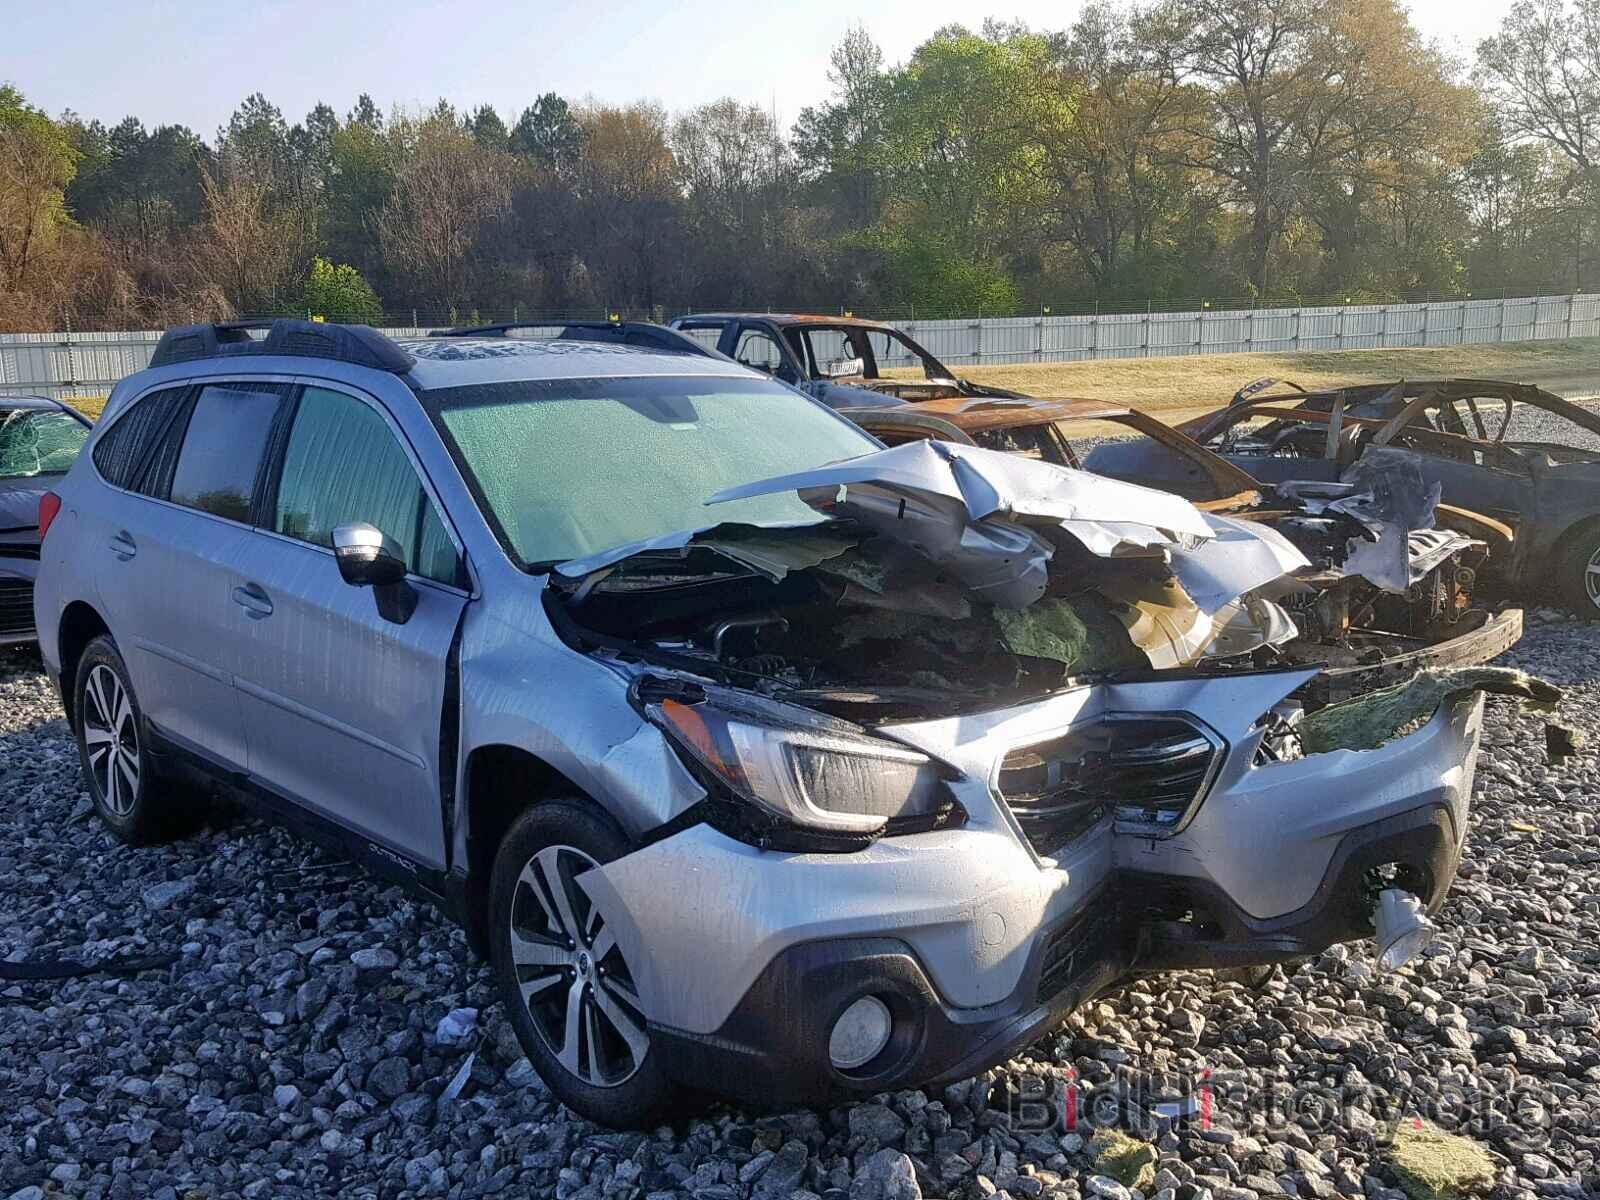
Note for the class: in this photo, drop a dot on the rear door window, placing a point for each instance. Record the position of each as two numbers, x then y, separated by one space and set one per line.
222 450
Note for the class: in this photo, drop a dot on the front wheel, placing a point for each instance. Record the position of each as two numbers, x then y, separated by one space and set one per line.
1578 574
565 983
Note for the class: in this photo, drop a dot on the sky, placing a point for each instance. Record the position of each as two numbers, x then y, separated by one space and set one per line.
182 63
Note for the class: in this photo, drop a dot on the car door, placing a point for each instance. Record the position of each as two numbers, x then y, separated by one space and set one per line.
756 347
168 540
344 704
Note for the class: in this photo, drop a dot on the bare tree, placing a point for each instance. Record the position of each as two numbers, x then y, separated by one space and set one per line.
446 191
1543 70
249 251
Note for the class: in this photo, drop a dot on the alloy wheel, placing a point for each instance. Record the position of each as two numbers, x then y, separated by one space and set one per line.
1591 578
571 974
111 736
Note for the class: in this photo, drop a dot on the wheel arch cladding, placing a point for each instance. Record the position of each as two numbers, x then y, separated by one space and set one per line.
502 782
80 625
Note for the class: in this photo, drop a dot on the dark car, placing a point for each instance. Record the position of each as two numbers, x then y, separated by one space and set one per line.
838 360
39 439
1512 451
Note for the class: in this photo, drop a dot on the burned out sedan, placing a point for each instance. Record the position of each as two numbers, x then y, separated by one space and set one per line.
1376 588
1514 451
39 439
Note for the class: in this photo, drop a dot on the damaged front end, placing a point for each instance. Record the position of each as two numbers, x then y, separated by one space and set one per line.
986 739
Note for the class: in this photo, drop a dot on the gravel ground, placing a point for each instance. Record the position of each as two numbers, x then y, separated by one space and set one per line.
298 1045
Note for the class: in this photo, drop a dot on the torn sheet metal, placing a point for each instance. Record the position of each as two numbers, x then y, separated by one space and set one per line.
1394 562
1246 624
1385 492
999 561
1242 556
1164 622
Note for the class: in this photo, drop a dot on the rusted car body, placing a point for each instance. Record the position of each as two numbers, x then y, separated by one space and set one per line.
1513 451
1367 636
840 361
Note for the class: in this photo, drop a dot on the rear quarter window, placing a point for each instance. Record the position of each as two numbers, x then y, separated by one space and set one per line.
123 454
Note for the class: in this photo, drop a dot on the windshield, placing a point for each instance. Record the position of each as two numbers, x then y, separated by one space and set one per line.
567 468
36 441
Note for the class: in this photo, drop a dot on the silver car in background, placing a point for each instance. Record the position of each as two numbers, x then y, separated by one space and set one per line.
757 795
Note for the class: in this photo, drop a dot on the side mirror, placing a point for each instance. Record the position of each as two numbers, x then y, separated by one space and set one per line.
844 368
367 556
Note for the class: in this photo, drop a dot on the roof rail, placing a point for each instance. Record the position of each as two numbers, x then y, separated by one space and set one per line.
359 344
627 333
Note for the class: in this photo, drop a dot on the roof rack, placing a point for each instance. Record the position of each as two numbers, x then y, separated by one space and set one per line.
627 333
359 344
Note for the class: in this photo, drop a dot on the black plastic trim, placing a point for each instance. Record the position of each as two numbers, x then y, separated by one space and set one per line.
360 345
425 882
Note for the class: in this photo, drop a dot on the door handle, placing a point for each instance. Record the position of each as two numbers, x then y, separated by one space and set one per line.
122 545
255 602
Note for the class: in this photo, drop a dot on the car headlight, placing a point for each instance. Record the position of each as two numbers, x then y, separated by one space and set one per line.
803 772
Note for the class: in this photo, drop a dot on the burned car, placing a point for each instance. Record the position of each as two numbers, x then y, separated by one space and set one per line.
841 361
1379 583
744 747
1513 451
39 439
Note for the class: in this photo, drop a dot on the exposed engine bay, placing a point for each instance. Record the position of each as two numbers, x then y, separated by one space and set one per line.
948 578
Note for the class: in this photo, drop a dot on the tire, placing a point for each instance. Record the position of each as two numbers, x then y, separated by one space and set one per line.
1578 569
135 799
562 978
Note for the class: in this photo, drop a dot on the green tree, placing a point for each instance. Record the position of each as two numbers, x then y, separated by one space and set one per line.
37 163
337 292
549 134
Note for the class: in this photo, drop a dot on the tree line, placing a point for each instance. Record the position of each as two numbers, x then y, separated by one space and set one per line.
1253 149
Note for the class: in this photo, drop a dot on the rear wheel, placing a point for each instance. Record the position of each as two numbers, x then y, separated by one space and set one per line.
567 987
1578 573
137 801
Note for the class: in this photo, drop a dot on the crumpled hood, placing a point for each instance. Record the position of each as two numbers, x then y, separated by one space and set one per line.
970 510
19 502
976 512
1104 514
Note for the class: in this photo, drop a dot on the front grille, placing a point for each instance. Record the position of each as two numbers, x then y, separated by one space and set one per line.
16 606
1150 769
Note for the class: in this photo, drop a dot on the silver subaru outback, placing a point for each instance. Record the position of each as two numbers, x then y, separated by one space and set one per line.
758 758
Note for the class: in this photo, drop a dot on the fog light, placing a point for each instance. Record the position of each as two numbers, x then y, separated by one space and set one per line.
860 1033
1402 929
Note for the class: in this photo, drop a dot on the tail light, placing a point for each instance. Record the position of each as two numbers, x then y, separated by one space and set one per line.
49 506
1150 770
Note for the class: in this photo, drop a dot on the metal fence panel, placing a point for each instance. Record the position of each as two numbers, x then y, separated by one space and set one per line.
67 365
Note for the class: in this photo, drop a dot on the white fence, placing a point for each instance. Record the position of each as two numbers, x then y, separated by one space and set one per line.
87 364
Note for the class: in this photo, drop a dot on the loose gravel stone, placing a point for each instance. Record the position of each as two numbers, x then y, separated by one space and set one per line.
300 1044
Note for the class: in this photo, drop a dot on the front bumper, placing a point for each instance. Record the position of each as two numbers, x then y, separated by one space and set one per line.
1491 639
978 947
